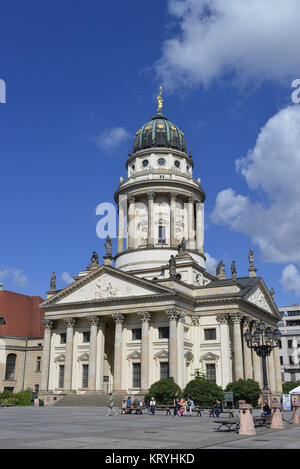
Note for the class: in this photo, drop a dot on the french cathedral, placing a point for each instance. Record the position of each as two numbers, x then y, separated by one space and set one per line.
152 310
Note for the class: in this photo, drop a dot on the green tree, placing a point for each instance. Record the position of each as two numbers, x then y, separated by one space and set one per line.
163 391
289 385
203 392
245 390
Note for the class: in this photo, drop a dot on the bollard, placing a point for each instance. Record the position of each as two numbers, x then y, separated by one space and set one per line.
277 421
246 419
296 416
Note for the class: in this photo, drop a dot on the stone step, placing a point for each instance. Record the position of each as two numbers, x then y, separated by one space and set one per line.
89 400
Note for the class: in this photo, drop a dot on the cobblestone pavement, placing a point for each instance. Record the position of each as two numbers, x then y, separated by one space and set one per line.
88 427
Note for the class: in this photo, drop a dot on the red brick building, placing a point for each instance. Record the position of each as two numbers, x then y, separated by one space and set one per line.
21 340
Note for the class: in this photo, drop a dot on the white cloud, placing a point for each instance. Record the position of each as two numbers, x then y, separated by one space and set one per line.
16 275
111 138
211 264
256 39
273 168
290 279
66 277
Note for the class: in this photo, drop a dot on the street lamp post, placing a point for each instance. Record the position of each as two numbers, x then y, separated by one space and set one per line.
263 340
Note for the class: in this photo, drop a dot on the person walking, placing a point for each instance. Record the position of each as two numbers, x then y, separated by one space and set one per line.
110 405
176 404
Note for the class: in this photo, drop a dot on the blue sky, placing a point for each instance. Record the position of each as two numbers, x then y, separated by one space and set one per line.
76 70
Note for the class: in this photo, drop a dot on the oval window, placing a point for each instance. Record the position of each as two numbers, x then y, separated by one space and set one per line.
145 163
161 161
177 164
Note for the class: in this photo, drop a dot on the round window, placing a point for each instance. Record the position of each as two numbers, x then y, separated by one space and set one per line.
145 163
161 161
177 164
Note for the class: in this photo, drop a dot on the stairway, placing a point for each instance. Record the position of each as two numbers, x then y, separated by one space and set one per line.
91 399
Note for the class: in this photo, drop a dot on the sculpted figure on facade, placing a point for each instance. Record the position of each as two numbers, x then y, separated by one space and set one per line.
233 271
220 270
108 246
172 267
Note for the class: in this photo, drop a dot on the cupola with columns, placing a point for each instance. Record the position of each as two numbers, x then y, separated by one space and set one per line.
162 200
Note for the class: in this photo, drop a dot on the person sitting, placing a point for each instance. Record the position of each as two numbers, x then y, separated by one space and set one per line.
266 410
218 408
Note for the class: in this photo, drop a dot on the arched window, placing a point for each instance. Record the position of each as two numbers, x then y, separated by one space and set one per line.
10 366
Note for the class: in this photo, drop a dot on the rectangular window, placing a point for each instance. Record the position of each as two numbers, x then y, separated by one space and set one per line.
136 375
291 360
211 372
38 364
63 338
281 360
86 337
163 332
162 235
280 344
164 370
136 334
36 388
61 376
85 376
210 334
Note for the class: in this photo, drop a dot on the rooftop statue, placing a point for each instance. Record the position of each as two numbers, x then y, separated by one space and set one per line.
233 270
220 270
94 259
53 282
159 101
172 267
108 245
251 258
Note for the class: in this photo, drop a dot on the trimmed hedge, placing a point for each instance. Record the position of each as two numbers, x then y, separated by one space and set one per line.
245 390
203 392
163 391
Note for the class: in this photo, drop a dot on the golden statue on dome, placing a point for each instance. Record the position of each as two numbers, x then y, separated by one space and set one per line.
159 101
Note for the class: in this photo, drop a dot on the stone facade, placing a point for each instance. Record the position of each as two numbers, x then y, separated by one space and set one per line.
122 327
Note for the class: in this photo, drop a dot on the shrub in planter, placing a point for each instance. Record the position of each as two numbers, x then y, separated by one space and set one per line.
203 392
245 390
163 391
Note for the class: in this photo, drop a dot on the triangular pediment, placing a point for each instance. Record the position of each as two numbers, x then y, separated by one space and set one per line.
209 356
162 354
103 284
260 298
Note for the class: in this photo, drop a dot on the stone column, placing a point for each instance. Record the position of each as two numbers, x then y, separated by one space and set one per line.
145 318
277 370
248 366
131 223
180 349
70 322
271 373
191 223
237 346
173 362
150 196
223 320
172 197
101 334
48 325
118 320
196 342
122 206
200 226
94 322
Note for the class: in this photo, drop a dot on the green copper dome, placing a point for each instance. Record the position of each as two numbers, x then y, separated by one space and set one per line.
159 132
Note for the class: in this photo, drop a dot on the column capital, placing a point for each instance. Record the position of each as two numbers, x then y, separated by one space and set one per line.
192 200
131 199
118 318
247 321
173 314
150 195
48 323
94 320
173 196
222 318
145 316
195 320
70 322
236 318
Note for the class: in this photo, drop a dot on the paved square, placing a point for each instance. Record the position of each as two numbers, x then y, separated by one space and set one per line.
88 427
